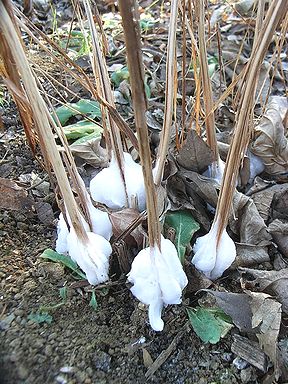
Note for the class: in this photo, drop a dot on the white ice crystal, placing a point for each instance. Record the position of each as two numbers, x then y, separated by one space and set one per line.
107 186
210 259
158 279
92 256
215 171
62 233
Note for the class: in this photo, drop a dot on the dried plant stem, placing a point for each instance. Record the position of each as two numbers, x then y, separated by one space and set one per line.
206 84
169 92
40 116
77 73
136 71
244 117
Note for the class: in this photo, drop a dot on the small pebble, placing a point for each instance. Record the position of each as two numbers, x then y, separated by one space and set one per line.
240 363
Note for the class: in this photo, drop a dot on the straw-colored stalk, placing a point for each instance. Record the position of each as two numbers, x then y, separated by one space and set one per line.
136 71
244 117
104 88
76 72
206 85
169 92
40 116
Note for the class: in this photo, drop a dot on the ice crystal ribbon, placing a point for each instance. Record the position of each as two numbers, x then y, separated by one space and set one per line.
213 259
158 279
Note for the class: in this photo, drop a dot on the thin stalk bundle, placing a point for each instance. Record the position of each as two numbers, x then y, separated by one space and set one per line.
156 273
169 92
90 250
215 252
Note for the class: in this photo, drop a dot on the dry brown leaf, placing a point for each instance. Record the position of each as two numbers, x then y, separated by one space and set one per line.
248 255
271 282
237 306
279 232
279 206
195 155
12 196
267 317
91 152
180 198
248 224
121 221
263 200
270 143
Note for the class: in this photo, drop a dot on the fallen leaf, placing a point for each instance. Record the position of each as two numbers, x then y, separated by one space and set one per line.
90 151
271 282
270 143
249 225
267 317
248 255
249 351
195 155
270 202
237 306
279 206
185 226
85 107
122 220
210 324
279 232
82 129
14 197
181 199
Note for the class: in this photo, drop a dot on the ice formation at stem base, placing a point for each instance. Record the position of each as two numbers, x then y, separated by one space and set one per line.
92 257
210 259
158 279
107 186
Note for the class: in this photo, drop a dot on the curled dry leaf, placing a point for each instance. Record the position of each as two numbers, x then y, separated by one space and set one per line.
264 198
270 143
267 318
279 232
121 221
195 155
248 224
271 282
91 152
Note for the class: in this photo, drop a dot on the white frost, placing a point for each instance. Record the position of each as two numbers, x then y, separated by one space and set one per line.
158 279
107 186
215 171
62 233
212 260
92 257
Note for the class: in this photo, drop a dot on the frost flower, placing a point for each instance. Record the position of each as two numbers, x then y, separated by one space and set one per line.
158 279
92 256
211 259
107 186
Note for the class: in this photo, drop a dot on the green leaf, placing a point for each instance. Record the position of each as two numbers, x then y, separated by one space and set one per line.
81 129
210 324
93 302
91 136
65 260
185 226
85 107
40 317
118 76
